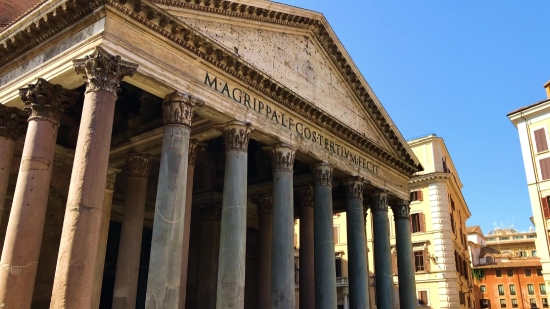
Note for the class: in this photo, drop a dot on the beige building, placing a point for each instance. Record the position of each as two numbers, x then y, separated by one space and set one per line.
439 236
533 123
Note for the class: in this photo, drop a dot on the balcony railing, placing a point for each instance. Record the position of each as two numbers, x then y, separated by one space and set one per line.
342 281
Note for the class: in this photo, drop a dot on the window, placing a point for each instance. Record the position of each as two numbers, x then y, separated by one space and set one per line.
500 289
512 289
338 267
533 253
420 260
533 302
489 259
491 239
422 298
532 236
539 272
296 270
503 238
417 223
540 140
514 303
482 288
416 195
545 168
530 289
503 303
518 237
542 288
509 273
499 273
544 302
527 273
336 238
485 303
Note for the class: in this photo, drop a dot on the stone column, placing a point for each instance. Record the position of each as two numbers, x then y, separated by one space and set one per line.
282 248
195 148
357 245
405 263
345 292
208 256
265 211
13 124
306 260
325 267
46 103
163 282
78 254
104 234
231 272
127 266
382 254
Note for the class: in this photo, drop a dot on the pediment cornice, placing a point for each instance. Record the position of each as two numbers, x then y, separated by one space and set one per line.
14 41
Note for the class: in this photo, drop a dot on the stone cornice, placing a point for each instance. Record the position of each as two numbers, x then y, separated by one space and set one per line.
430 177
159 21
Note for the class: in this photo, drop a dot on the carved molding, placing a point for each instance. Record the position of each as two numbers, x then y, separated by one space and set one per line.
401 211
236 135
353 187
195 148
13 122
306 196
322 174
103 71
179 108
111 177
265 204
44 100
379 201
211 212
282 156
139 164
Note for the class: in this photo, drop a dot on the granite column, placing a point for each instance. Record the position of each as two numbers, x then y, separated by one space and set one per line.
127 266
325 267
46 102
357 245
382 253
13 124
195 148
163 282
232 258
282 249
405 264
209 251
78 254
307 261
265 211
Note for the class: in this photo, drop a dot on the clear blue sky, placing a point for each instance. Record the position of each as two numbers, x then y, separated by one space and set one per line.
455 68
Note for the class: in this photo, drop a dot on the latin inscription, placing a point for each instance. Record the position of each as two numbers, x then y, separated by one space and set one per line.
239 96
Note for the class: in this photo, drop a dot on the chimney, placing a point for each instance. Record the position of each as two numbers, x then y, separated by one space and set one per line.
547 87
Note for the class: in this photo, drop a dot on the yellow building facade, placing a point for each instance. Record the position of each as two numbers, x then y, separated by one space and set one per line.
439 236
532 123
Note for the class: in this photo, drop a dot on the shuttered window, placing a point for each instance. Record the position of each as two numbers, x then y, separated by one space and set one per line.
416 196
545 168
418 223
336 240
421 262
394 263
545 207
423 298
540 140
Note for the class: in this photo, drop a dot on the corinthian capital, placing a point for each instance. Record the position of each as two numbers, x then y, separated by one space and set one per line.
195 148
13 122
282 156
236 135
179 108
322 174
139 164
379 201
306 196
401 210
103 71
111 178
265 204
353 187
47 101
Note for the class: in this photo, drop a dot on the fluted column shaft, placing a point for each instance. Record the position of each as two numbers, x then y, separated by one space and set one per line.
325 267
282 249
265 211
232 258
382 254
127 267
405 264
307 261
195 148
208 256
25 229
163 283
104 234
13 123
357 246
78 255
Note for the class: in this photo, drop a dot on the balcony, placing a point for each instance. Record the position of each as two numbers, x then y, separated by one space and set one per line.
342 281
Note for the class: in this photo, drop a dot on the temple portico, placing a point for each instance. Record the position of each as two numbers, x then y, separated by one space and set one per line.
190 163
